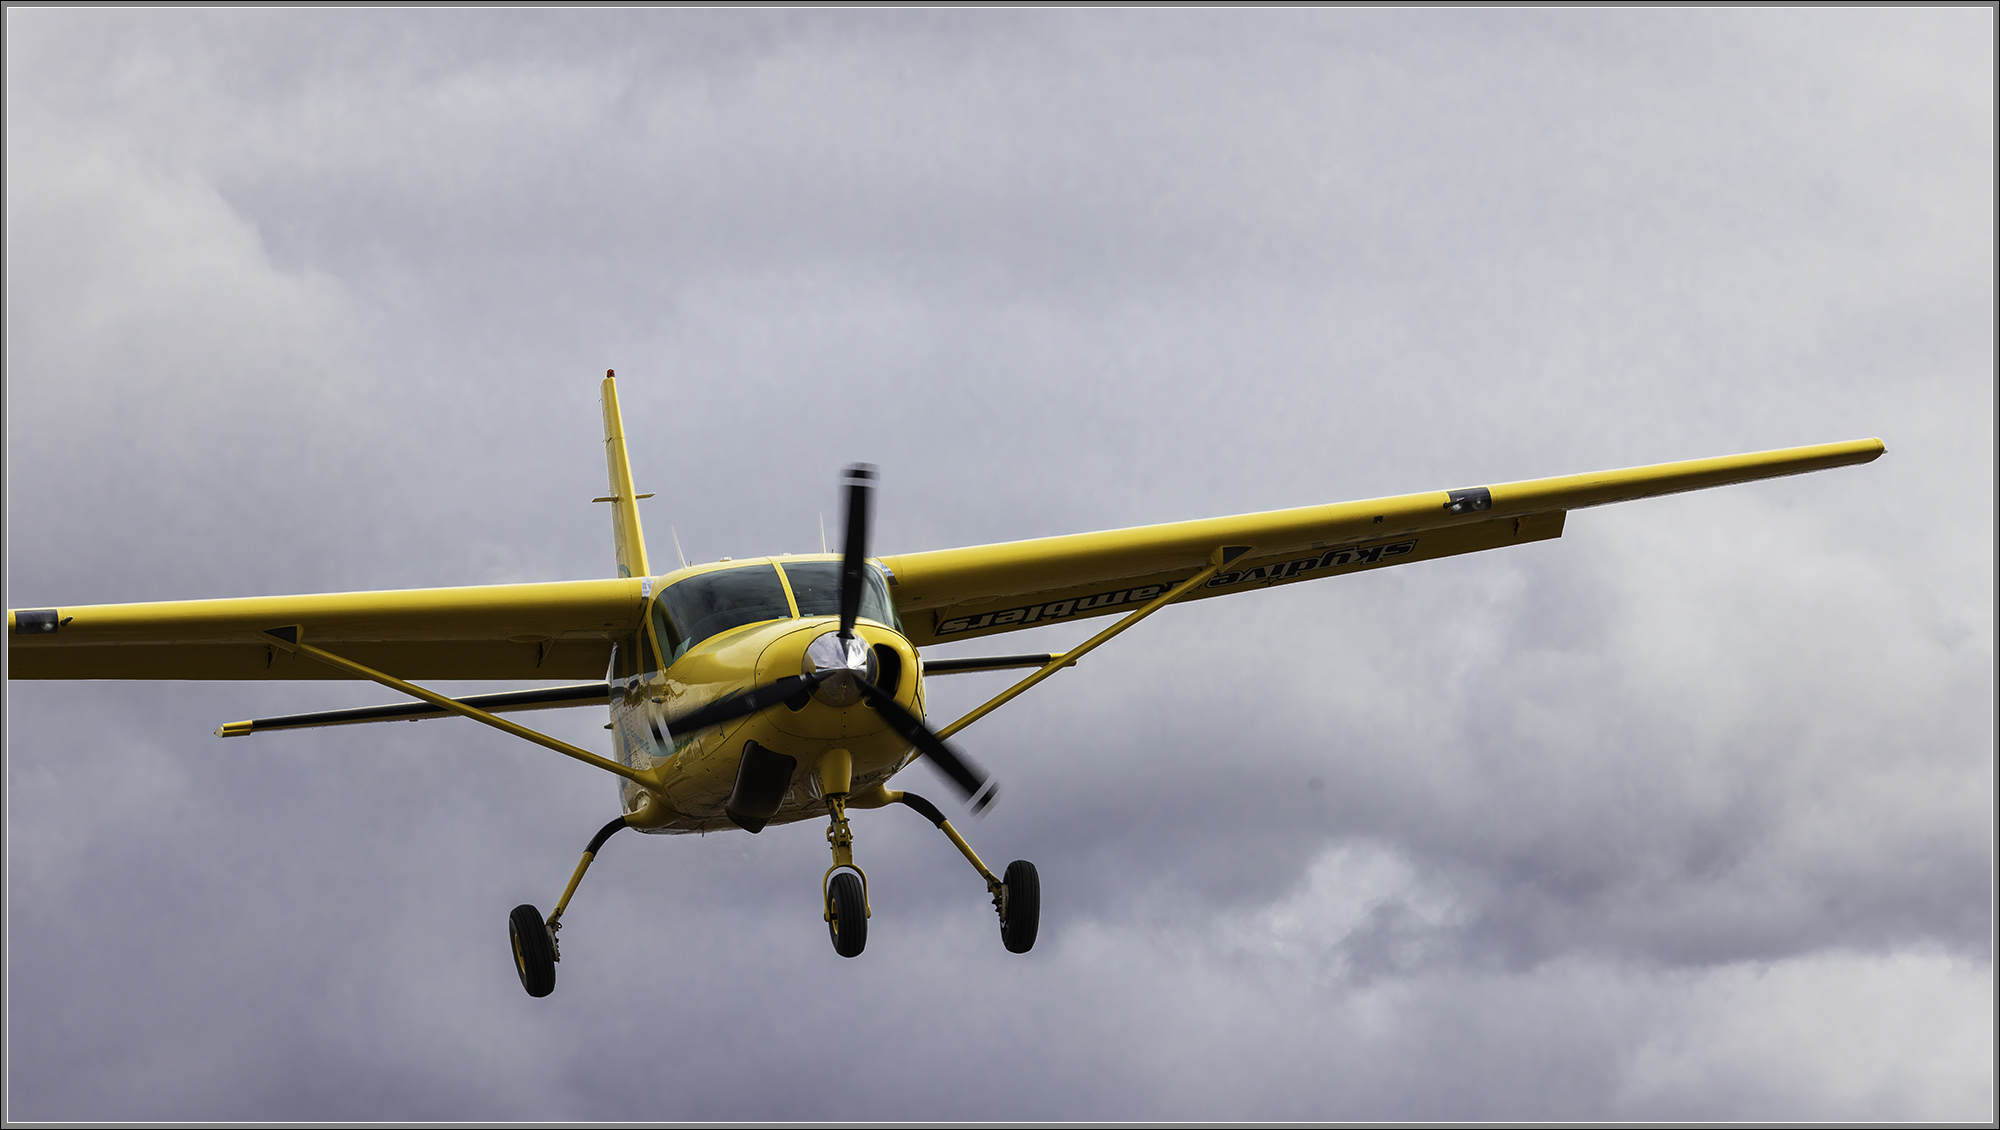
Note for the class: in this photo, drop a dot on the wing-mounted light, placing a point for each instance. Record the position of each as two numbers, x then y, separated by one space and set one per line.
1462 501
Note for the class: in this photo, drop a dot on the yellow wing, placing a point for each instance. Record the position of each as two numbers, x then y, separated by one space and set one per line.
566 629
954 594
556 630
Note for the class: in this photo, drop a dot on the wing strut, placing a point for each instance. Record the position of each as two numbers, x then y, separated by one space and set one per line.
1222 556
288 639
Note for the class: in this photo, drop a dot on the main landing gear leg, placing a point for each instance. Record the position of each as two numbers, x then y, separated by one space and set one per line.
535 949
844 888
1017 898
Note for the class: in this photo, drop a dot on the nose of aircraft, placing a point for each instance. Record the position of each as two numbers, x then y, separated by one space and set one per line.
849 658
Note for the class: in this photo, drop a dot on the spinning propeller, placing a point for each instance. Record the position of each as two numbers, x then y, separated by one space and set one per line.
848 662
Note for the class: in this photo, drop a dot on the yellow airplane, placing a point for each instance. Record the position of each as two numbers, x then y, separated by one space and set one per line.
750 693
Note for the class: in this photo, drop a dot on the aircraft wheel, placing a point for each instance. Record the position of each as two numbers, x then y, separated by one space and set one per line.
849 927
1023 916
534 952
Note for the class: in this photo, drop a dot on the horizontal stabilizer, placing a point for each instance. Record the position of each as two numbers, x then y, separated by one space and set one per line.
545 698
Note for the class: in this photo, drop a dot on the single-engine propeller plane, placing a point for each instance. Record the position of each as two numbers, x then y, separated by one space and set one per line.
757 692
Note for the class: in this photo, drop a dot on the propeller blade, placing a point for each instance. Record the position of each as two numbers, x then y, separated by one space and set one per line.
749 702
978 785
860 479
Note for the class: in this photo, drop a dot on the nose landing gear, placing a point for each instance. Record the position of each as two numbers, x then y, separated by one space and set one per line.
844 888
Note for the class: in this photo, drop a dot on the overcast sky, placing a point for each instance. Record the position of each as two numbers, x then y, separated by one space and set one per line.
1686 815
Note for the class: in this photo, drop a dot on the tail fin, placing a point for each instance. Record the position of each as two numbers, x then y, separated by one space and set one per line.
627 539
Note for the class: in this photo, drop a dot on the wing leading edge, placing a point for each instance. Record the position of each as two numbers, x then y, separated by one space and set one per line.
984 590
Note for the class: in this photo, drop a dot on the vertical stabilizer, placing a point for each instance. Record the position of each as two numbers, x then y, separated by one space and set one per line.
627 540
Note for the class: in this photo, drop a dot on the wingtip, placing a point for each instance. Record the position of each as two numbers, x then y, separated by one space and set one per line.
1864 450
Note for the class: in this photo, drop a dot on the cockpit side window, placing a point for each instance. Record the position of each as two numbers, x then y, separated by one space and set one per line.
816 584
703 606
665 641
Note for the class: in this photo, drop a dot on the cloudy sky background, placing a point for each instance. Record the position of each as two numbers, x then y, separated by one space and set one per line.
1686 815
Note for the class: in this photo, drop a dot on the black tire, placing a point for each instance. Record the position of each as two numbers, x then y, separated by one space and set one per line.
849 927
534 950
1022 917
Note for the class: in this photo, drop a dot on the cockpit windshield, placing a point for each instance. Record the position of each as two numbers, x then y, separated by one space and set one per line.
816 586
690 611
703 606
